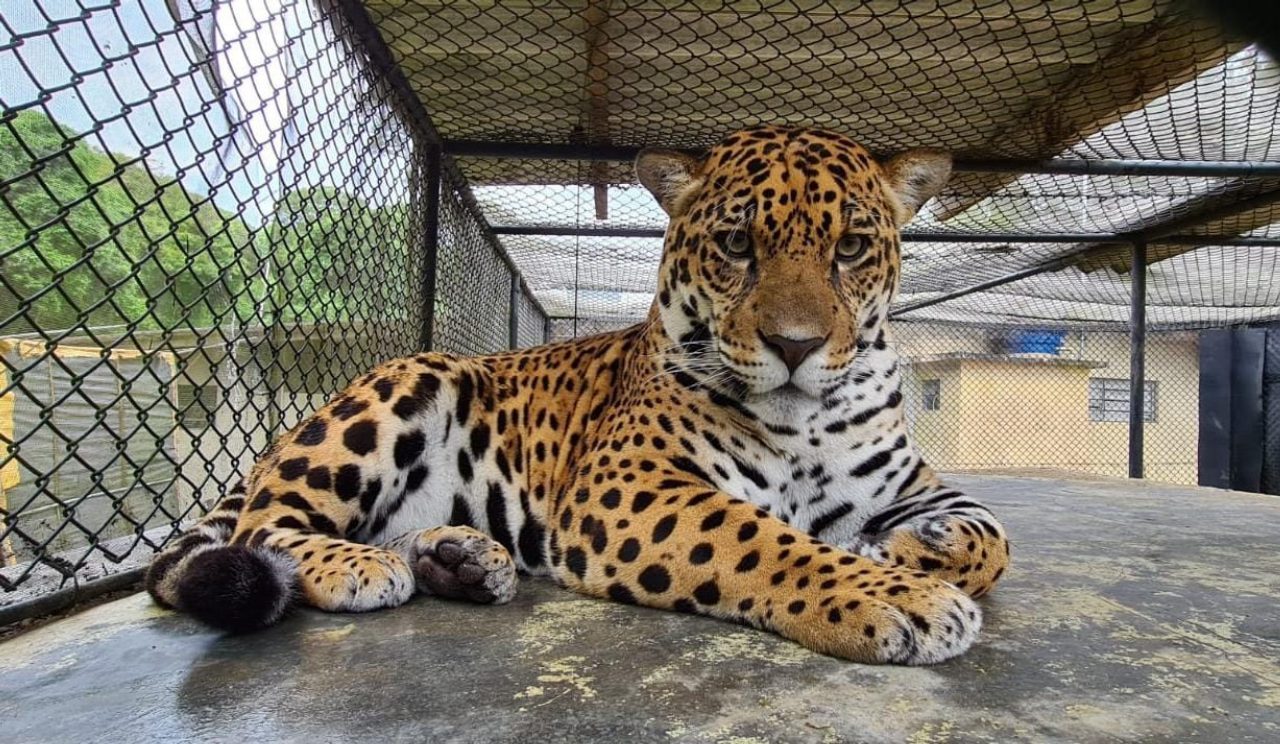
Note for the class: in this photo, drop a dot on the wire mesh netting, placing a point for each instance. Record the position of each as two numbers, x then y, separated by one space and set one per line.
532 327
1015 302
213 213
962 75
210 221
1000 81
474 284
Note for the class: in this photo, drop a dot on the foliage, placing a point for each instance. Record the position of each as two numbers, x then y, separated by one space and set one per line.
91 238
102 243
338 258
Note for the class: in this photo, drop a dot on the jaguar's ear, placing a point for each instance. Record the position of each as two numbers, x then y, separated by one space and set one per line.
915 176
671 176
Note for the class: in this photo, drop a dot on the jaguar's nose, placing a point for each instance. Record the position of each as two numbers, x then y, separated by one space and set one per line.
793 351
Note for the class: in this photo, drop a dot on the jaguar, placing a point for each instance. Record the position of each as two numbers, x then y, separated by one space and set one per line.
743 453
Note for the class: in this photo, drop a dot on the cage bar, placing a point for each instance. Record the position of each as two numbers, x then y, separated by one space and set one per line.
1071 167
1137 356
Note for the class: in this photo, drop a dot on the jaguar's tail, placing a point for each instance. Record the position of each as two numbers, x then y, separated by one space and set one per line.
232 587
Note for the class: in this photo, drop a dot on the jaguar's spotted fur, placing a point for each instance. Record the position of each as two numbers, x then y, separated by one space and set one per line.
741 454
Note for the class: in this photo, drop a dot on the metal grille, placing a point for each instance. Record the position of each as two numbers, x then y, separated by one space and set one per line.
1079 127
473 304
962 75
532 326
563 329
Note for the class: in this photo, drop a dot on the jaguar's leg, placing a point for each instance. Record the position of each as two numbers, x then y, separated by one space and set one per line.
251 581
693 549
314 498
337 575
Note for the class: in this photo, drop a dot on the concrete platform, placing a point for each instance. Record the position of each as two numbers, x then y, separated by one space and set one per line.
1133 612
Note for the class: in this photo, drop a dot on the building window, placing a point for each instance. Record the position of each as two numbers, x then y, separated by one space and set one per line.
1109 399
932 394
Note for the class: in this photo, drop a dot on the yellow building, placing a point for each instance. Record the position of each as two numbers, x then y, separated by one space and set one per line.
975 406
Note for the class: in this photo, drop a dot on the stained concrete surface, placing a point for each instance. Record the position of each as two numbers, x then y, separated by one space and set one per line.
1132 612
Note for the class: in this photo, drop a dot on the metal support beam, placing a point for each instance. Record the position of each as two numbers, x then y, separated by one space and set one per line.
425 135
913 237
1143 62
581 232
1224 211
1058 263
430 239
1158 235
1137 355
1076 167
513 313
1155 234
1214 213
382 62
908 237
70 596
536 151
1223 240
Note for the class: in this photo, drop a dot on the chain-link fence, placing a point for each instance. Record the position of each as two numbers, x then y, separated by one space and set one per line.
213 213
212 217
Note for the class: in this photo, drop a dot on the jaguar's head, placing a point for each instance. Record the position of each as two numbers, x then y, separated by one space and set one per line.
781 255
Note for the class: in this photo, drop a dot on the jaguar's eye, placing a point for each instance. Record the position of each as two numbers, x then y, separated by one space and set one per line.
735 243
851 247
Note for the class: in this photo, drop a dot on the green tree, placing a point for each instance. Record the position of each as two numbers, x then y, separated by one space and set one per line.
335 259
87 241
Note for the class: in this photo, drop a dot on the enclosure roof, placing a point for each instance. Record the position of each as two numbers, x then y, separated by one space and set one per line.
542 103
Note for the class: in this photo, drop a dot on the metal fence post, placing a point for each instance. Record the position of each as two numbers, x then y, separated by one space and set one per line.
1137 354
430 244
513 315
